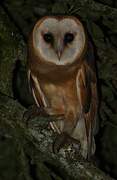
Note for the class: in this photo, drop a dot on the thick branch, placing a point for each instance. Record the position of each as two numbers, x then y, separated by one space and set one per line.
37 143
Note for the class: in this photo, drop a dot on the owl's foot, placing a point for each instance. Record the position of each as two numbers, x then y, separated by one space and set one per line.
34 112
62 140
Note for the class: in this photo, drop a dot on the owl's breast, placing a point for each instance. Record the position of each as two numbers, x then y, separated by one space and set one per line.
54 96
61 96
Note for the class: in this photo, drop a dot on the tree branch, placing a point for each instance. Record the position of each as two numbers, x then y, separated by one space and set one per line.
36 143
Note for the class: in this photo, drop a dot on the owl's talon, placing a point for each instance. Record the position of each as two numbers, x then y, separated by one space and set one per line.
33 112
63 139
59 142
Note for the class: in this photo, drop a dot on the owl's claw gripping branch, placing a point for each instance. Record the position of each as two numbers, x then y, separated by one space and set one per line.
62 140
35 111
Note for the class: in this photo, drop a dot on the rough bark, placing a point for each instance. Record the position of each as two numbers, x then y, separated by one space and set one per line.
26 151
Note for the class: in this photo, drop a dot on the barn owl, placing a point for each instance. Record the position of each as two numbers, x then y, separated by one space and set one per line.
62 78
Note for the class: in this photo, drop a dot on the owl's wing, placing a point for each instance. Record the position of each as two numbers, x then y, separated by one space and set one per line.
36 90
39 98
87 85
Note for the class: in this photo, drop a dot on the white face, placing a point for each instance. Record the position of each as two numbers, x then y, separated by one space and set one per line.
59 41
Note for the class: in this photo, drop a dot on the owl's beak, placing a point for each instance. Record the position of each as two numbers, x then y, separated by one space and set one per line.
59 49
59 53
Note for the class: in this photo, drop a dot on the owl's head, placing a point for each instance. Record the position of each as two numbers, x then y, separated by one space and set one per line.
59 40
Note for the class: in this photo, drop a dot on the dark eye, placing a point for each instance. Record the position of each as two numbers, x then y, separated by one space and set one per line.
48 37
69 37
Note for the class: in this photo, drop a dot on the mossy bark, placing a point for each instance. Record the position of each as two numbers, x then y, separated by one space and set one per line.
26 152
